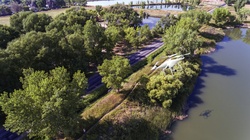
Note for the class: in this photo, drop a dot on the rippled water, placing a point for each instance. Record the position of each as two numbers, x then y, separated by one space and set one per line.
219 105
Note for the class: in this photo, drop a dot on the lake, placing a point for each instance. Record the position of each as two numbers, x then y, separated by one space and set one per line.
160 7
219 104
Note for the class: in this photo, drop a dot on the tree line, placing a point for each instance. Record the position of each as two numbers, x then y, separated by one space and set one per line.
45 62
9 7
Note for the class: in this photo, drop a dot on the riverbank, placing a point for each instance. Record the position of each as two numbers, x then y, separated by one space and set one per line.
219 105
137 117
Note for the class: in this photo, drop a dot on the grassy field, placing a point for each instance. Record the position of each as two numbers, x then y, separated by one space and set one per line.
5 20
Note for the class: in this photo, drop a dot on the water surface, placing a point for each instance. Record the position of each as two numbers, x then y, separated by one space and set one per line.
219 105
150 21
127 2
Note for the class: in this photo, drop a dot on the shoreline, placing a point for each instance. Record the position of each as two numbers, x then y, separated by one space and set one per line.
185 108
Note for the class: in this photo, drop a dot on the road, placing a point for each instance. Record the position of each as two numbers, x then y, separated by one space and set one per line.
96 80
221 5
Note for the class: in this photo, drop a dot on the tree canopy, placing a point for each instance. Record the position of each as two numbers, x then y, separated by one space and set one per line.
114 71
6 35
122 15
222 16
94 41
239 4
163 88
16 20
202 17
183 37
47 103
36 22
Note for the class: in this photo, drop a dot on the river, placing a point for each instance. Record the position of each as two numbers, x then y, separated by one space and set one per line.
219 104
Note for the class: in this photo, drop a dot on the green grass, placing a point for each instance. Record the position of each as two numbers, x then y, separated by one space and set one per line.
53 13
5 20
94 95
98 109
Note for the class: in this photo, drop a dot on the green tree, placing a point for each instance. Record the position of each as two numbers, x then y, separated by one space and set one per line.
94 41
143 4
234 34
73 52
122 15
114 71
47 103
144 34
31 49
221 16
200 16
239 4
98 8
6 35
40 3
163 88
36 22
131 35
247 37
183 37
16 20
71 17
163 24
243 13
113 35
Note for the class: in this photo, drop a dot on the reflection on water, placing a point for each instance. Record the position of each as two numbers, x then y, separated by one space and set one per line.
166 7
219 104
112 2
234 34
127 2
151 21
246 39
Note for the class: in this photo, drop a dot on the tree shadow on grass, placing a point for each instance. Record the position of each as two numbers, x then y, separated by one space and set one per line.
130 129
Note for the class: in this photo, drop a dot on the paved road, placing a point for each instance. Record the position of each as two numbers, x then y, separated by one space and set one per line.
96 80
221 5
